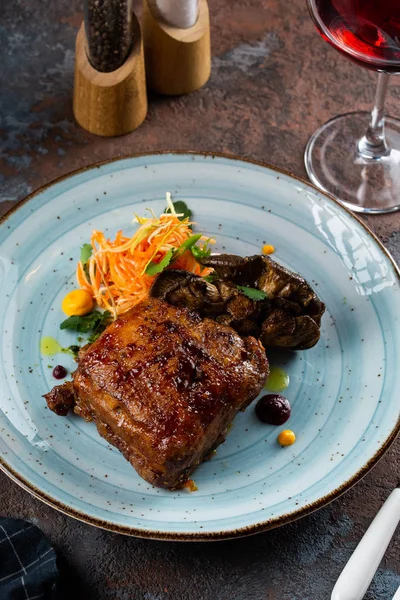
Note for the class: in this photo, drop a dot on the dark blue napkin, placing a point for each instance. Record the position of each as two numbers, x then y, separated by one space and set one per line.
28 569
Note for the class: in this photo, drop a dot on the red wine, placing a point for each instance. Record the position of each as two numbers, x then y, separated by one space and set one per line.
368 31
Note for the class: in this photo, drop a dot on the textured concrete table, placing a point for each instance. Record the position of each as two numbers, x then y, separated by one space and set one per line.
273 82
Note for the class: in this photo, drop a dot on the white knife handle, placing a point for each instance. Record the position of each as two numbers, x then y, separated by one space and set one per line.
397 594
355 578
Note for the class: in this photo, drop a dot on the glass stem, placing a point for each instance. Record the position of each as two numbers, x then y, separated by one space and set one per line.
373 144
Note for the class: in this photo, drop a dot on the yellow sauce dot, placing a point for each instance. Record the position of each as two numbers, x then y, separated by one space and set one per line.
286 437
268 249
278 380
77 302
49 346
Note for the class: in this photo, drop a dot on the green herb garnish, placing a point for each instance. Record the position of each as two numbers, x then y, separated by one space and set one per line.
187 244
201 252
181 208
210 278
95 336
86 253
95 321
252 293
154 268
72 350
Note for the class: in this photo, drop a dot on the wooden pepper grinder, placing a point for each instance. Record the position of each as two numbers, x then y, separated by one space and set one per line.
177 46
110 95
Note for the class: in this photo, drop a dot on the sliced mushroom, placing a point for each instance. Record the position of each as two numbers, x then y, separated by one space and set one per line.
182 288
280 283
246 327
290 316
243 271
226 289
287 305
282 330
276 281
241 307
224 319
279 325
307 333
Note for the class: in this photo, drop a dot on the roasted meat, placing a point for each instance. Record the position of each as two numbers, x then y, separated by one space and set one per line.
162 385
288 317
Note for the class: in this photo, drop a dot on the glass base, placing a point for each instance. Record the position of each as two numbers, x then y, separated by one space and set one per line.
334 165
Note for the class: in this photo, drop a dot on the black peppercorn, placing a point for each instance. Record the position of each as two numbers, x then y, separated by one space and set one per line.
108 32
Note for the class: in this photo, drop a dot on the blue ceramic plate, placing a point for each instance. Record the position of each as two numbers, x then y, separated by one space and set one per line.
344 392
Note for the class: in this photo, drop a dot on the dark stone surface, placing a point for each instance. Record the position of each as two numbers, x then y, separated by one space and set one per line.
273 82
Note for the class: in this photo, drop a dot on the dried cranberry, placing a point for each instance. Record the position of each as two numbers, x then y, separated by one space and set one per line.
273 409
59 372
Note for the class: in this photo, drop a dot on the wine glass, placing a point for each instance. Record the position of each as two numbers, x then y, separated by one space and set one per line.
356 156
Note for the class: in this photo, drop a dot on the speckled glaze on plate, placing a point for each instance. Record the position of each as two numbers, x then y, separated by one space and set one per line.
344 392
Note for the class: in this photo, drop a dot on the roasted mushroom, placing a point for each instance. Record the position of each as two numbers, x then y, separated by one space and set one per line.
220 299
242 271
294 314
182 288
284 288
289 317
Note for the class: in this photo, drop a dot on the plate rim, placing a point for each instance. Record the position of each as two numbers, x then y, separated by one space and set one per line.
241 531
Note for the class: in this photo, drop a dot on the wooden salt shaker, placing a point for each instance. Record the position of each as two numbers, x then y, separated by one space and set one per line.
110 103
178 61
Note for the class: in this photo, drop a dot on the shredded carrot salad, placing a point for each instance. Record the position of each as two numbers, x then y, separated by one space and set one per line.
115 273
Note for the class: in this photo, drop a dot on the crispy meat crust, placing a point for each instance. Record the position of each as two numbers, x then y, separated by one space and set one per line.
162 385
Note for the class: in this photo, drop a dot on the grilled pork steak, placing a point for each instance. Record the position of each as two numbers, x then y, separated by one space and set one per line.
162 385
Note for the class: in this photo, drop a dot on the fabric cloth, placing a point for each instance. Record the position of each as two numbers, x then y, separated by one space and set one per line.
28 569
